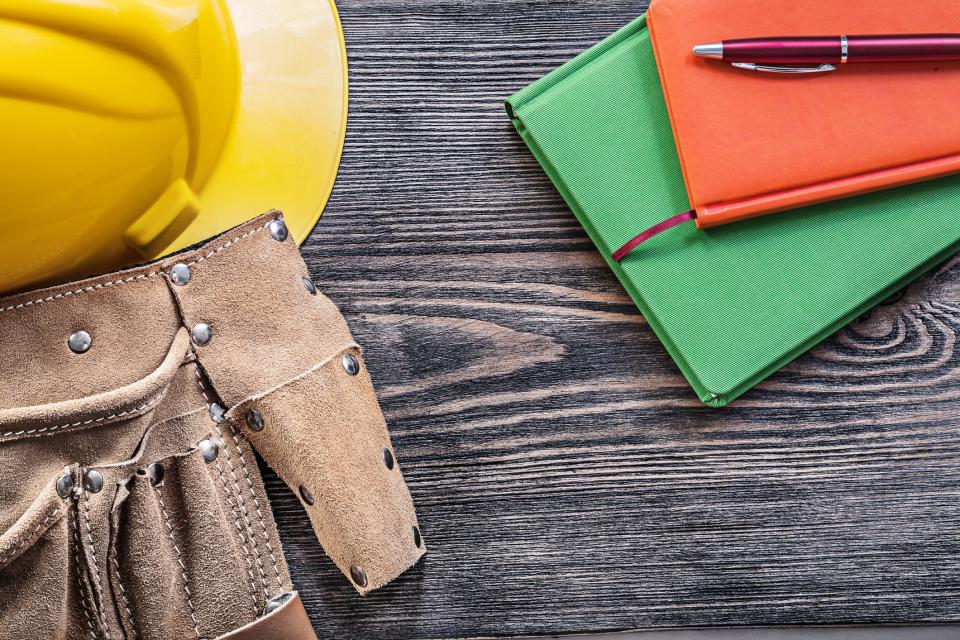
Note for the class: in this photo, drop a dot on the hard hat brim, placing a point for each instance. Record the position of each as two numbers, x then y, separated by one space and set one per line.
287 137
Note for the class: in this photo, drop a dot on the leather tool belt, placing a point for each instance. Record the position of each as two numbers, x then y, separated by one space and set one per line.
131 505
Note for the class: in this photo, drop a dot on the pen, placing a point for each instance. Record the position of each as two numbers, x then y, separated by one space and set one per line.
826 52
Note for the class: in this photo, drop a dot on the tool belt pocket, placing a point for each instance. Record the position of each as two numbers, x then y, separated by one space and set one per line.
325 435
59 428
189 546
59 469
35 559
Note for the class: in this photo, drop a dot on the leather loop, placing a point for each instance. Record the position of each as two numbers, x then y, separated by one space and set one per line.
289 622
276 361
325 436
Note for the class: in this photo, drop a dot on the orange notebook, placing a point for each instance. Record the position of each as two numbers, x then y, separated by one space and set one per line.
755 143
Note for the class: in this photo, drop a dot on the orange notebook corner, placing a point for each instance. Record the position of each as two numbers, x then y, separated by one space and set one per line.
754 143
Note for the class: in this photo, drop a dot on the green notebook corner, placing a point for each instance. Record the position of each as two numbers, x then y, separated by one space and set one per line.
732 304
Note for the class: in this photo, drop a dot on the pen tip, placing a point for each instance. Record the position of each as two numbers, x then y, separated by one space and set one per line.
712 50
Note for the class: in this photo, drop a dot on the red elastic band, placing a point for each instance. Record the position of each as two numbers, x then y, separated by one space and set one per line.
660 227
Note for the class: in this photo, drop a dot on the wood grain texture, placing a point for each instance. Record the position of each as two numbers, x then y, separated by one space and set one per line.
566 477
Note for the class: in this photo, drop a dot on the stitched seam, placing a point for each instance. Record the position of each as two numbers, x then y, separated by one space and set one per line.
183 567
142 276
46 430
256 504
123 596
95 573
156 426
230 243
243 538
203 388
234 506
9 553
306 374
84 605
241 500
67 294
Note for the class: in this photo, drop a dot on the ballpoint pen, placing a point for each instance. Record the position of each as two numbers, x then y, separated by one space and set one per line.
826 52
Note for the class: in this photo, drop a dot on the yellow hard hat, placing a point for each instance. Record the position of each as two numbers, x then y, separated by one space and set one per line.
133 128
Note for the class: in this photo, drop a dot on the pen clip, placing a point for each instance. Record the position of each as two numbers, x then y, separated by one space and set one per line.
750 66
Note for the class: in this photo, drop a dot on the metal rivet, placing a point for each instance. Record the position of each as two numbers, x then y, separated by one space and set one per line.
218 413
309 286
201 334
417 540
254 420
155 473
276 602
209 450
278 230
92 481
65 484
350 364
79 342
359 575
307 495
387 458
180 274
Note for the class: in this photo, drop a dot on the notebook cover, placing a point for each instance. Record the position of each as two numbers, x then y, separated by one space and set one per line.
752 143
735 303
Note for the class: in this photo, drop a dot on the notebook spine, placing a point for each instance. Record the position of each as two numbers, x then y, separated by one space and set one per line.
712 215
707 396
560 185
526 99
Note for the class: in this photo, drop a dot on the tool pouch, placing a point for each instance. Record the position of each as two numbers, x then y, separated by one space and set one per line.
296 386
131 505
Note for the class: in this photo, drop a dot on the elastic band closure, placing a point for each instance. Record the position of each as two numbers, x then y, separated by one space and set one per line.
656 229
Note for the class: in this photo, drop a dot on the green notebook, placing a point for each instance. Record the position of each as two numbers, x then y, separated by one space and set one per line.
735 303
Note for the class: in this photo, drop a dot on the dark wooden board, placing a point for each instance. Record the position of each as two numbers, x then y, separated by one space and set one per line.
566 477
